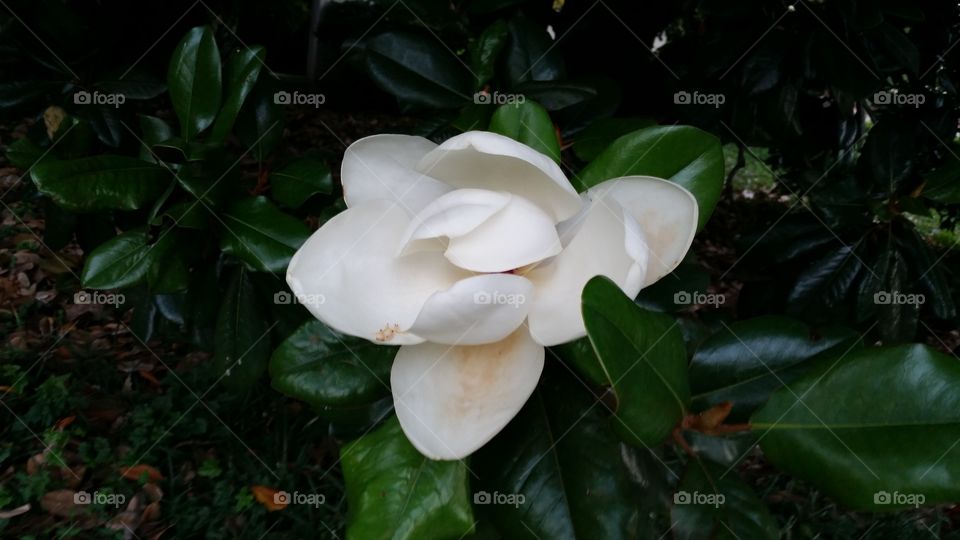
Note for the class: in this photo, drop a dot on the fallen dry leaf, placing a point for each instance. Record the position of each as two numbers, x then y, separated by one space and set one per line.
268 497
137 471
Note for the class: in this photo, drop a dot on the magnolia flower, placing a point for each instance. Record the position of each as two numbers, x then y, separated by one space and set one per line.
471 256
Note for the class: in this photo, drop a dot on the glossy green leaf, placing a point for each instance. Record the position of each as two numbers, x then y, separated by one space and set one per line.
897 312
712 502
241 348
101 183
888 154
930 274
744 362
943 183
559 471
168 270
241 74
556 95
418 70
590 142
874 429
119 262
299 180
260 123
643 359
685 155
153 130
396 493
827 282
261 235
189 215
327 369
531 55
528 123
194 81
485 50
23 153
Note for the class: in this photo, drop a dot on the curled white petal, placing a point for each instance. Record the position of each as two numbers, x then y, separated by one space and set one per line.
487 231
477 310
479 159
634 231
452 400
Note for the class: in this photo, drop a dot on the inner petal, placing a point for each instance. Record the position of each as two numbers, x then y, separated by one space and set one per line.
485 231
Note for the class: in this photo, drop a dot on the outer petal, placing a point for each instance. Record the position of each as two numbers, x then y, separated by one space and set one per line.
479 159
477 310
489 231
666 212
607 241
349 270
452 400
383 167
635 231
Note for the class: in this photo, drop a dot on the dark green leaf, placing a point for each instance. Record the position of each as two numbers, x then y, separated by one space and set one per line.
169 268
850 427
485 50
23 153
531 55
685 155
528 123
943 183
888 154
241 342
396 493
260 124
643 359
712 502
565 472
119 262
418 70
241 72
924 265
299 180
327 369
898 307
153 130
595 139
101 183
747 360
556 95
261 235
193 78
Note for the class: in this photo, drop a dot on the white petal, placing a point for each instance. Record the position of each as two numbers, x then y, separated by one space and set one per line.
383 167
452 400
635 231
488 231
477 310
351 279
479 159
451 215
607 241
666 212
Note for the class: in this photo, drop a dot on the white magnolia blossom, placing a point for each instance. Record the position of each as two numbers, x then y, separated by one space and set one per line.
471 256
